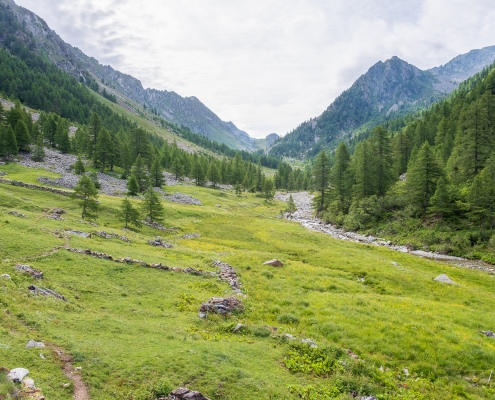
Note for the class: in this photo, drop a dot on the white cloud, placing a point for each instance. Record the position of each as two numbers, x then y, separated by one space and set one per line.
267 65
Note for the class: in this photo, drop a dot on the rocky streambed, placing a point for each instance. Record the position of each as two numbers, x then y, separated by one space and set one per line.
304 215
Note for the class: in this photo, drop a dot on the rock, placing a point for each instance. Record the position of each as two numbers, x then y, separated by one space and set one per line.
78 369
107 235
238 327
190 236
368 398
184 394
288 336
33 344
488 333
16 214
221 305
58 211
183 199
45 292
228 274
156 225
35 273
406 372
274 263
395 264
444 279
6 276
28 383
159 243
310 342
17 374
84 235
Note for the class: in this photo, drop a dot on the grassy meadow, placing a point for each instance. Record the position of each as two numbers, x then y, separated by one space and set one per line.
136 333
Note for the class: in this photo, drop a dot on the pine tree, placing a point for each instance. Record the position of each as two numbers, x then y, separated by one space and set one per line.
268 189
441 201
22 135
94 178
39 152
482 195
156 173
152 206
363 171
237 189
340 177
291 206
139 173
10 142
383 162
79 168
104 149
321 173
87 193
132 185
213 174
94 128
129 214
125 159
177 169
422 177
62 137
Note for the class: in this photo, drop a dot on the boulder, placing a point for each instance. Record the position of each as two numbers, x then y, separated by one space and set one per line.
444 279
488 333
184 394
35 273
274 263
17 374
33 344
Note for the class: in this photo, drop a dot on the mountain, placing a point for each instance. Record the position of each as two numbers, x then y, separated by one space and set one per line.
187 111
387 90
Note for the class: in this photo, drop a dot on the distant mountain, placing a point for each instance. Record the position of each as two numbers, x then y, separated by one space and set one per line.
187 111
387 90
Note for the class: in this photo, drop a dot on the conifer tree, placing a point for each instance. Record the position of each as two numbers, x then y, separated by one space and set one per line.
441 201
39 152
104 149
213 174
79 168
177 169
10 142
62 137
268 189
125 159
132 185
321 173
383 162
139 173
363 171
94 128
237 189
291 206
340 177
422 178
22 135
129 214
94 178
482 195
156 173
87 193
152 206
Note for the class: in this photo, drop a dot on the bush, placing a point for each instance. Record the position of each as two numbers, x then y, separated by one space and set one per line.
260 331
288 319
301 357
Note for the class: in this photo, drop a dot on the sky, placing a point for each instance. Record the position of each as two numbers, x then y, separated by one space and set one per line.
266 65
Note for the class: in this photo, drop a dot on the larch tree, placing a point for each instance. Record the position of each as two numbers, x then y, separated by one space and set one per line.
152 206
321 173
87 193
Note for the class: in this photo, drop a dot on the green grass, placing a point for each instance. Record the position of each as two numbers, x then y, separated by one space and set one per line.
136 333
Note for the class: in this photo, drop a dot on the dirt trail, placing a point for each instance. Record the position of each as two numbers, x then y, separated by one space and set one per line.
80 390
304 215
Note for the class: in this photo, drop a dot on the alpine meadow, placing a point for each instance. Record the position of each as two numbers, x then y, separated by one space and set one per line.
150 250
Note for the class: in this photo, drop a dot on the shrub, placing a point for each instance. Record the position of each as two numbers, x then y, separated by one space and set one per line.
288 319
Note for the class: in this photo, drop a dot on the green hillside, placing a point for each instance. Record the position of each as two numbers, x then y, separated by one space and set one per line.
136 334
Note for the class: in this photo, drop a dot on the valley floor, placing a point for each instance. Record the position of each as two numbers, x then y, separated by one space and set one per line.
382 326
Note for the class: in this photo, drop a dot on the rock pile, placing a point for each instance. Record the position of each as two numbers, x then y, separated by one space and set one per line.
184 394
16 214
156 225
159 243
488 333
228 274
56 214
107 235
183 199
128 260
220 305
35 273
45 292
3 173
84 235
36 187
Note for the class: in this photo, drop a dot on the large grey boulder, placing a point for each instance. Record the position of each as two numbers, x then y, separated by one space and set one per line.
274 263
444 279
17 374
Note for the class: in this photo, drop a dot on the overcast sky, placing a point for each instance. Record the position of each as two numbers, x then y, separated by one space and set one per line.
266 65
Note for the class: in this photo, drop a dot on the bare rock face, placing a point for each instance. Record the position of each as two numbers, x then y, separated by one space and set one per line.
184 394
274 263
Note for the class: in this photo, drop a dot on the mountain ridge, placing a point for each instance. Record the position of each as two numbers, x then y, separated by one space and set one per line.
187 111
388 89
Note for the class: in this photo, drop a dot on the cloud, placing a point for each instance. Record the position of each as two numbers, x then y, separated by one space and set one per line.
266 65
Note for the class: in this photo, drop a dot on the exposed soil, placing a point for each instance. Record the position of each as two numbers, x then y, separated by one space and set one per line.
80 390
